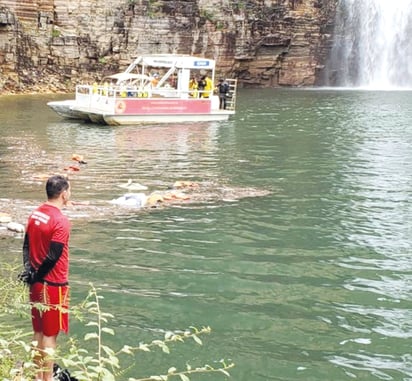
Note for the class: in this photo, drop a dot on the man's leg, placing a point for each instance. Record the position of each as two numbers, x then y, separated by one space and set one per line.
48 342
42 359
47 324
38 358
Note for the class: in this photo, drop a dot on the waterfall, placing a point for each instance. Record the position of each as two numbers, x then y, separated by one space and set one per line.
372 45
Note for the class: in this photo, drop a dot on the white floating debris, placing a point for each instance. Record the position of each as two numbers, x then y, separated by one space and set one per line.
136 200
132 186
15 227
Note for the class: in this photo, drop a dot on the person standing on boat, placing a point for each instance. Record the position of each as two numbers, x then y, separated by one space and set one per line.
193 85
46 270
208 87
201 86
155 80
223 90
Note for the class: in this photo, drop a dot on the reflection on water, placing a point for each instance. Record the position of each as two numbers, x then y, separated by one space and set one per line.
309 282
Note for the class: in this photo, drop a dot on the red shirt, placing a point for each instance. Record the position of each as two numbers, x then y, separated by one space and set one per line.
47 223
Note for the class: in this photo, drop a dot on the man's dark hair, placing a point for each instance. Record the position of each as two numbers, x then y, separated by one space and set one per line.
56 185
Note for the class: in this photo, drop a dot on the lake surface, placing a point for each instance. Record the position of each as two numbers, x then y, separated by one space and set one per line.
309 282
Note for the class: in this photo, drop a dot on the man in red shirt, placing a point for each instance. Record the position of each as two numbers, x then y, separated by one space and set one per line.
46 264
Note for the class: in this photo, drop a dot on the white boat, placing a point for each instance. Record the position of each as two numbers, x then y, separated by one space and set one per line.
65 109
153 89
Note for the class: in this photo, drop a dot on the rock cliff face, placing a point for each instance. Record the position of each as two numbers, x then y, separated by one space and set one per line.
50 45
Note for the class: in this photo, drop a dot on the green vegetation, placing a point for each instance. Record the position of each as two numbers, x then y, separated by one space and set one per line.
220 25
239 5
101 363
55 33
153 8
208 15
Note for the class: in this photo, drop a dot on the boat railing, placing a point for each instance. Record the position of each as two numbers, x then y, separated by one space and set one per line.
102 98
157 92
88 99
86 95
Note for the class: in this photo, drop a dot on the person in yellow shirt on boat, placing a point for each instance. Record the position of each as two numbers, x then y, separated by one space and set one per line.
105 88
208 87
154 80
193 87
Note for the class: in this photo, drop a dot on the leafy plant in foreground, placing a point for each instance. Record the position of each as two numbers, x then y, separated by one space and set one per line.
103 364
16 353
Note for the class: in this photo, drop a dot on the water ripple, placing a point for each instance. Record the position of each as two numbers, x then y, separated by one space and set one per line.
309 281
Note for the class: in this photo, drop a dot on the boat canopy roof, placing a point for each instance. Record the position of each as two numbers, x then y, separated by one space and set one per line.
128 76
173 61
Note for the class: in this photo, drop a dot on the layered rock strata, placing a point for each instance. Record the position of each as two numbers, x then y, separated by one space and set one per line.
50 45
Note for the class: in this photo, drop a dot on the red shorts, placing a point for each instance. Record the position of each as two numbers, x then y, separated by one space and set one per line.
54 317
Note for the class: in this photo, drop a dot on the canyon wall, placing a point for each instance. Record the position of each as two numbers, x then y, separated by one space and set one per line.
50 45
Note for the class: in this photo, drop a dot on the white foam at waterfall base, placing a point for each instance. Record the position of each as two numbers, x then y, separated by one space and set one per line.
372 46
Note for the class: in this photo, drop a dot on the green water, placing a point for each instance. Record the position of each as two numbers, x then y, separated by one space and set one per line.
309 282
